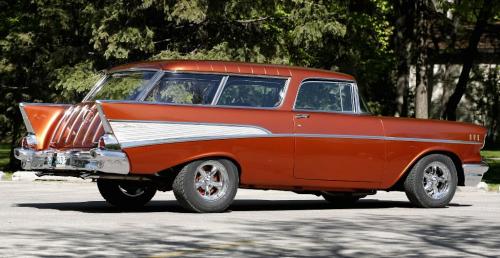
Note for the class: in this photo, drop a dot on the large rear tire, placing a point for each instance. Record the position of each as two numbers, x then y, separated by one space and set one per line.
208 185
432 182
126 194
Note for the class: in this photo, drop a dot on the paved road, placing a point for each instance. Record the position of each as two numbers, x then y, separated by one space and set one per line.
70 219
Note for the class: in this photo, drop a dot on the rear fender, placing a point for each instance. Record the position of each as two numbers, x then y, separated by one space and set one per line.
40 120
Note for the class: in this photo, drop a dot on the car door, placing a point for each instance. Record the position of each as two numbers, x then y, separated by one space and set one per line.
333 140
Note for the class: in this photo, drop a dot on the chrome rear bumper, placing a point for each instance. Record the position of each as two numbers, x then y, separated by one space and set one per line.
115 162
473 173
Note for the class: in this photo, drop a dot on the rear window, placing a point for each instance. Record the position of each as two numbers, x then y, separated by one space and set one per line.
123 85
178 88
244 91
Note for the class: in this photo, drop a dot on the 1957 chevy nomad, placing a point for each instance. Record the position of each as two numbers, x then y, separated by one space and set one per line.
205 128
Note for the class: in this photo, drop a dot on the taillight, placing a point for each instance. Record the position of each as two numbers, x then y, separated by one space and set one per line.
29 141
109 142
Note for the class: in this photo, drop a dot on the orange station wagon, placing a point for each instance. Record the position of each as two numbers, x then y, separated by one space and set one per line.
205 128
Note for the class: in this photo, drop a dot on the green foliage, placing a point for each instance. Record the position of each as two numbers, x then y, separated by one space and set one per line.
54 50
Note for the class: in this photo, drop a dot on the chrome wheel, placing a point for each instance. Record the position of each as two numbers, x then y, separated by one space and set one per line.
211 180
436 180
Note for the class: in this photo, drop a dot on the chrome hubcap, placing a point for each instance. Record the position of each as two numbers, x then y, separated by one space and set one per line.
131 191
211 180
436 180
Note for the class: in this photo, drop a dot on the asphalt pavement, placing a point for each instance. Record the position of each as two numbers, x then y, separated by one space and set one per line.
54 219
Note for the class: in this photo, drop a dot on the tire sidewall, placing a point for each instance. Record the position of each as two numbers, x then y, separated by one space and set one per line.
204 205
111 192
419 188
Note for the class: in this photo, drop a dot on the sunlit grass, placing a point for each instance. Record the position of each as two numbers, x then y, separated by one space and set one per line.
4 155
492 157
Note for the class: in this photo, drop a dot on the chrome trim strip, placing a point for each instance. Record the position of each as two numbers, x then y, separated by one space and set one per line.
190 123
104 120
150 85
80 115
409 139
219 90
26 120
186 105
139 133
95 87
170 136
161 73
68 114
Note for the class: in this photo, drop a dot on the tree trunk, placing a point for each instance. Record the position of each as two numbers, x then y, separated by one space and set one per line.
470 52
405 11
421 89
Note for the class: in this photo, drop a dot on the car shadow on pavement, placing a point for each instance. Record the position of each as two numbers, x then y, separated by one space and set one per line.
238 205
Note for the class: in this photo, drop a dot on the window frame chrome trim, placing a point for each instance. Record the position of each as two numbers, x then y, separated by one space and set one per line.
101 81
282 100
220 88
218 92
354 92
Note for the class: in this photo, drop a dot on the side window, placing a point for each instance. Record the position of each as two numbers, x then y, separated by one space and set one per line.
325 96
181 88
245 91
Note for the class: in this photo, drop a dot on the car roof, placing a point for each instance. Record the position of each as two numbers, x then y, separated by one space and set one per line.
234 67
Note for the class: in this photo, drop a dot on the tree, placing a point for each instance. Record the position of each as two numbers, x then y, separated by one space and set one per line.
485 13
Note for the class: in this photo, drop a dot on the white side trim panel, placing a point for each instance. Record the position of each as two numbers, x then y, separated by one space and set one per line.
140 133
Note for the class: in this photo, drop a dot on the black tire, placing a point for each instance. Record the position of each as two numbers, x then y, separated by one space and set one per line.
194 199
415 182
341 199
126 194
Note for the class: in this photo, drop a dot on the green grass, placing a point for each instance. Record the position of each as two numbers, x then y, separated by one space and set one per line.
492 157
4 155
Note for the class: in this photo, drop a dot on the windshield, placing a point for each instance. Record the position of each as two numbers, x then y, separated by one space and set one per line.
123 85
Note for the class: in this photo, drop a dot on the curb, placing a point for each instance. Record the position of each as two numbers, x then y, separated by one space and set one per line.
26 176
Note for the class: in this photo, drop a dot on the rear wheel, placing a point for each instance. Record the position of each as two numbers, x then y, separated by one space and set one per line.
432 182
206 185
126 194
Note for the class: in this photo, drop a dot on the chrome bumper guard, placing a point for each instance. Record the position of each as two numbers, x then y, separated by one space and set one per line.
473 173
95 160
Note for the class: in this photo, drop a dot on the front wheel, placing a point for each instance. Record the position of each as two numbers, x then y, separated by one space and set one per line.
126 194
206 185
432 182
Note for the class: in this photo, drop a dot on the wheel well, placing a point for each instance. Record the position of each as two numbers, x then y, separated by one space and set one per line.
456 161
169 174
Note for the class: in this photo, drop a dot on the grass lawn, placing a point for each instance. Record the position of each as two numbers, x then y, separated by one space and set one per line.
492 157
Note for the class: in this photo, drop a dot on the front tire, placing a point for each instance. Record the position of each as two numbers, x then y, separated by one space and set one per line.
208 185
126 194
432 182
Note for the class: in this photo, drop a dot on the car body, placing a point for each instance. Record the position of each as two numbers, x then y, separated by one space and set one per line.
285 128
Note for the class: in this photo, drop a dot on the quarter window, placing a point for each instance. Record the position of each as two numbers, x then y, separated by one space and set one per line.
252 92
325 96
181 88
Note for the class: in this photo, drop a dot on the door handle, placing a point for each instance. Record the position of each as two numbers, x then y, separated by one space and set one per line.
300 116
